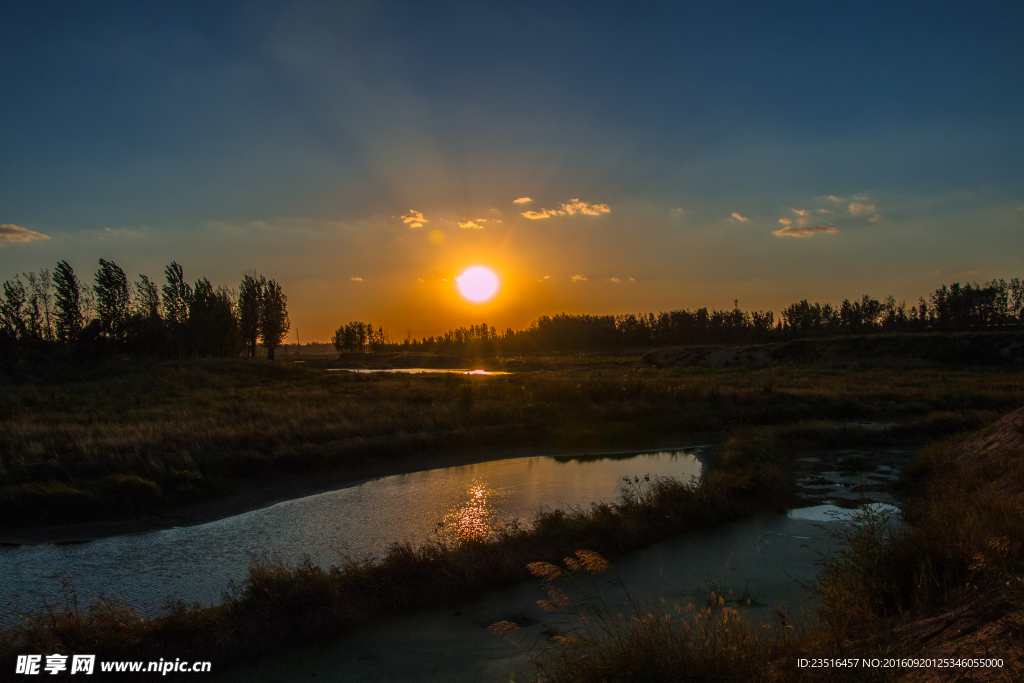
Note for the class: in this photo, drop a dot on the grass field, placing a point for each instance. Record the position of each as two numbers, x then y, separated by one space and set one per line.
128 439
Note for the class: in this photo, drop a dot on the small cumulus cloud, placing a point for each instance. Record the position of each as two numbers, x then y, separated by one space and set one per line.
632 279
579 278
833 198
877 217
414 219
741 219
860 197
546 277
824 211
801 212
1020 208
470 225
356 279
786 221
615 279
522 200
804 230
575 206
16 233
858 208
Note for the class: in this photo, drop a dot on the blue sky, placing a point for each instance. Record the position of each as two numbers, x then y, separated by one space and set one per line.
293 137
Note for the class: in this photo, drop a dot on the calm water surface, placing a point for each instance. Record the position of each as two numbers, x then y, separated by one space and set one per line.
197 563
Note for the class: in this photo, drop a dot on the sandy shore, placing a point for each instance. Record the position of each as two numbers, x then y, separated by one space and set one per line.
264 493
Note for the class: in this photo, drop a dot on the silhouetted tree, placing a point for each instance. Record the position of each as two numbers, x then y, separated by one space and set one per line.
176 300
274 323
250 305
67 303
112 299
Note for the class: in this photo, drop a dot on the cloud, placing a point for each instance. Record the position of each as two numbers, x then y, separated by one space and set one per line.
471 225
356 279
801 212
678 211
824 211
632 279
575 206
16 233
832 197
546 277
578 278
740 218
804 230
543 213
877 217
414 219
522 200
860 197
572 207
615 279
857 208
1020 208
786 221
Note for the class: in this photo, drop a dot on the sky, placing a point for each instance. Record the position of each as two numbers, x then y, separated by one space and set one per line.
598 157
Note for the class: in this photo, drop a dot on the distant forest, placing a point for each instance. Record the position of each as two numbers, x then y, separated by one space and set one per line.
996 305
55 315
46 316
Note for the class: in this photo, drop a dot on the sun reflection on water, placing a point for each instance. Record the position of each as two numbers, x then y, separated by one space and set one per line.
472 519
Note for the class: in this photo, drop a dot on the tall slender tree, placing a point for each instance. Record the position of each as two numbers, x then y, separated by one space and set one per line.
274 323
177 297
67 303
112 299
250 306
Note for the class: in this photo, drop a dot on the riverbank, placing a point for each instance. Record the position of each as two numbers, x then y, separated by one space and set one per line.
940 598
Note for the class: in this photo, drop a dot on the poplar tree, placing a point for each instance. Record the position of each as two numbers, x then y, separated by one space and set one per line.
67 302
274 323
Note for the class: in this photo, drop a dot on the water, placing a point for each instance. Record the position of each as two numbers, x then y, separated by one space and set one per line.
762 558
197 563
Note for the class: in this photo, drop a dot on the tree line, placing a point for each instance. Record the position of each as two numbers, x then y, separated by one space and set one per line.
47 315
996 305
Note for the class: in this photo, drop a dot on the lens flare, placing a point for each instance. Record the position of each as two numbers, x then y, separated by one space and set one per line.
477 284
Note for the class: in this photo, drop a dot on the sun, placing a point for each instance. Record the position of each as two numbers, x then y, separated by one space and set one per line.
477 284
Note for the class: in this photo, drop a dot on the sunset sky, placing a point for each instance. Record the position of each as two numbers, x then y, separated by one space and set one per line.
600 158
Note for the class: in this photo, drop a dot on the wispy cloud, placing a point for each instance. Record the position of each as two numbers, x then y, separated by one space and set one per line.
860 197
833 198
615 279
741 219
579 278
471 225
877 217
16 233
1020 208
356 279
414 219
786 221
804 230
678 211
522 200
801 212
858 208
824 211
543 213
572 207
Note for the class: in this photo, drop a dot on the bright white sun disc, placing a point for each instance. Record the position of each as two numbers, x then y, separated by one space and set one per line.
477 284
